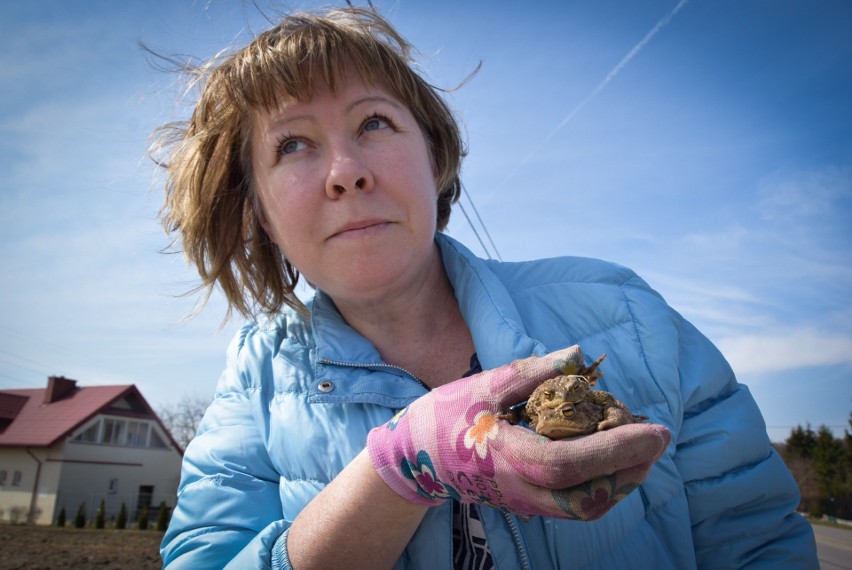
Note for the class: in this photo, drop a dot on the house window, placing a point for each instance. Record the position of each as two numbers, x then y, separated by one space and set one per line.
157 441
90 434
125 432
137 434
16 478
113 431
3 476
113 486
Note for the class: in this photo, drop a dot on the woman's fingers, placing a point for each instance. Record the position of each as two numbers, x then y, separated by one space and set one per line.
513 383
569 462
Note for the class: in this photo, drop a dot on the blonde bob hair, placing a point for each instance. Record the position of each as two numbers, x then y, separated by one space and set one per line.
210 205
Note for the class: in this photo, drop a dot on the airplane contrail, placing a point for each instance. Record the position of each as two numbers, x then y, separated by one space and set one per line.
609 77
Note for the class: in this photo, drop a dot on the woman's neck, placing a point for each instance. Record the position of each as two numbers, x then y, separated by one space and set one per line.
421 329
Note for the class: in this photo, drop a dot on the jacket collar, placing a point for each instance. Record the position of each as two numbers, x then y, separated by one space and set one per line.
335 340
486 305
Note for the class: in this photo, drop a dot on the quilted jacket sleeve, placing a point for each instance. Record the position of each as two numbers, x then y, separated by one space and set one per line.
228 510
742 498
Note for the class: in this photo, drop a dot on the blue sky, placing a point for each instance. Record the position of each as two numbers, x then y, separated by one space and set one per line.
705 144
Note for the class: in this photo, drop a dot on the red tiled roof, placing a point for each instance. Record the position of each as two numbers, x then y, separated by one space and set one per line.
10 405
42 425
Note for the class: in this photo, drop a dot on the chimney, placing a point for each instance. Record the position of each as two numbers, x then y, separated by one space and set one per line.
57 388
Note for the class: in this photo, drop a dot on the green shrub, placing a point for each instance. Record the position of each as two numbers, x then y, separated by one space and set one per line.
163 517
143 518
80 519
121 521
60 520
100 516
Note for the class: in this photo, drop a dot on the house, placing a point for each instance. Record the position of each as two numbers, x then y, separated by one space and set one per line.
66 446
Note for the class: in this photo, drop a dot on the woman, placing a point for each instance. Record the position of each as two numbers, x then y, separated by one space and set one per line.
360 430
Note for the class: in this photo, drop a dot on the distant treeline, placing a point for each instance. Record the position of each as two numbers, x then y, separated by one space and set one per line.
822 466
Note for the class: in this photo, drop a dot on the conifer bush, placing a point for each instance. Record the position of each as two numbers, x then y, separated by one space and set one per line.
100 516
143 518
121 521
80 519
163 517
60 520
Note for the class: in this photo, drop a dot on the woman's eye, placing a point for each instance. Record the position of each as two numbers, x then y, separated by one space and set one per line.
376 123
289 146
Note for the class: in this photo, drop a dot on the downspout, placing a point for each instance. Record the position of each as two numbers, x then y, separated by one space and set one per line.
34 499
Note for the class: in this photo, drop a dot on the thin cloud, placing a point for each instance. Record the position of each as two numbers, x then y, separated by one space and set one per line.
791 196
702 287
786 350
717 307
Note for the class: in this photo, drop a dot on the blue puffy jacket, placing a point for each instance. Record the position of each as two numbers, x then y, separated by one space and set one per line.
297 399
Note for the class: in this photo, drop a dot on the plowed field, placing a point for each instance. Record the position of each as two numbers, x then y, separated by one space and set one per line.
46 548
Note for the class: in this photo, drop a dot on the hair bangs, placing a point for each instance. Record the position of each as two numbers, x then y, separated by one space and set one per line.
292 62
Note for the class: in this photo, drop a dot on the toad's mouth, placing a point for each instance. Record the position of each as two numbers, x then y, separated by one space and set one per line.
559 430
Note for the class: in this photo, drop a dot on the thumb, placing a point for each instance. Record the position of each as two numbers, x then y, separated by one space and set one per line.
514 382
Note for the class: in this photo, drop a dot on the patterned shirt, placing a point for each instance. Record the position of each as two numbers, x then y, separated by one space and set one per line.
470 547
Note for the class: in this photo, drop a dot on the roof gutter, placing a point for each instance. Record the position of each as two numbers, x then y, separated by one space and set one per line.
34 498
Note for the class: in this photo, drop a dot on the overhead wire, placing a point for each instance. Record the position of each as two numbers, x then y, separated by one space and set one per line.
23 343
484 227
475 232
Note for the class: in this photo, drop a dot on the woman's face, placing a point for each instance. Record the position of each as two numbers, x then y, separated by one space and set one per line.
347 190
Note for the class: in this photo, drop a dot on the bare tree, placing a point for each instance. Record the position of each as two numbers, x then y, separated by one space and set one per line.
182 418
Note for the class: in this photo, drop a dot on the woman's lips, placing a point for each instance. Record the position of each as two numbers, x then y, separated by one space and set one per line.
360 228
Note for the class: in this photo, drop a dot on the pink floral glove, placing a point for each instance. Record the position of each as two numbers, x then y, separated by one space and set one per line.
450 444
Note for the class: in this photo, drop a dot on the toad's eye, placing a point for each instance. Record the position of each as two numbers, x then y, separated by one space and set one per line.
549 394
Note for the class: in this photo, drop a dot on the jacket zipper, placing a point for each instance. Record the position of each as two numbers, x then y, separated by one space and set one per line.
376 365
516 533
519 544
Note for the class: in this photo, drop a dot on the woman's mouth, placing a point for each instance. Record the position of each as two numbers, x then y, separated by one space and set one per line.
360 228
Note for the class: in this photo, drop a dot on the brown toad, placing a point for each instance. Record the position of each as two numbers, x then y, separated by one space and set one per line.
566 405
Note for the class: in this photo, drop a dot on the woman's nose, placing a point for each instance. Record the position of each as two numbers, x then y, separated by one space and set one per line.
347 174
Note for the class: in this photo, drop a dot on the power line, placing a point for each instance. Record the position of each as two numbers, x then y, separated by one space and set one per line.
482 223
5 359
14 383
476 233
53 352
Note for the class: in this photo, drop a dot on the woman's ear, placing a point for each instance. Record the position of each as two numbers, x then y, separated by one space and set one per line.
260 215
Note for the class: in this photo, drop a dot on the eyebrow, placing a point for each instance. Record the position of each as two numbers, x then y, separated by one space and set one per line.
277 124
373 99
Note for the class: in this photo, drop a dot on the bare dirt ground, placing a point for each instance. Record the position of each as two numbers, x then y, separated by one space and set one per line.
45 548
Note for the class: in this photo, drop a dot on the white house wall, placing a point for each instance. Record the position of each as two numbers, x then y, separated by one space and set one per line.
74 473
88 472
19 497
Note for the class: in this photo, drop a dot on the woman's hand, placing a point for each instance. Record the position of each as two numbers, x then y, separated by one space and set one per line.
450 444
